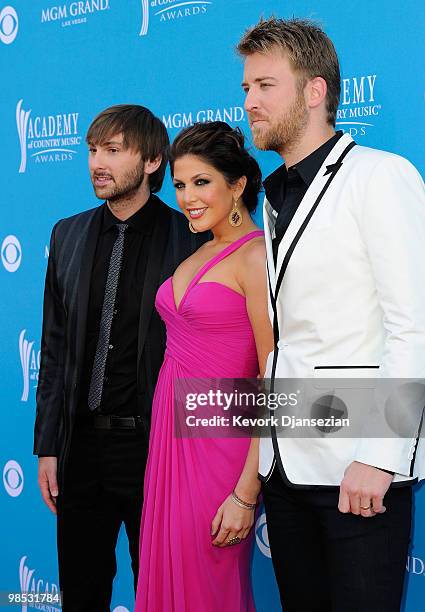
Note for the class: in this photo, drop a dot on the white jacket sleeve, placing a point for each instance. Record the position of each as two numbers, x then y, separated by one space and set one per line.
393 229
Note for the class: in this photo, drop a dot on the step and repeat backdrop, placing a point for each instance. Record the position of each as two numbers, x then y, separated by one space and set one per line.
60 64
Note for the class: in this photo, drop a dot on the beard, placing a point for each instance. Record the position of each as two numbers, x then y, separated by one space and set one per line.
283 133
122 188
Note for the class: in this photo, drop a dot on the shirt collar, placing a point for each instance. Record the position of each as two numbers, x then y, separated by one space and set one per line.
142 221
307 169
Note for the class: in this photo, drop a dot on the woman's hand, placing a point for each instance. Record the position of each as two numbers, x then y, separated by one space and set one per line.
231 521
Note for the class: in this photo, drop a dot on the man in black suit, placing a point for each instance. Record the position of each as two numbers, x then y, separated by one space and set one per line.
102 347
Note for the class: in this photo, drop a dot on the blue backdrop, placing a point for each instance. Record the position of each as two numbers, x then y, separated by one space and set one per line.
63 63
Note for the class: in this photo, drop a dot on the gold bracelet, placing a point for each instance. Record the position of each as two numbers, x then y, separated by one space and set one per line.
241 503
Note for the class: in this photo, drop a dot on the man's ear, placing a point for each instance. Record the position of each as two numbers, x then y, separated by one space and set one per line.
151 165
315 91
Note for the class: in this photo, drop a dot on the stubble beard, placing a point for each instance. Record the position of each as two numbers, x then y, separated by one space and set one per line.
285 132
123 190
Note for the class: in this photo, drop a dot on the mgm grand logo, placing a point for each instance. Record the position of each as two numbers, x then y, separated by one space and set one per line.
179 120
170 10
73 13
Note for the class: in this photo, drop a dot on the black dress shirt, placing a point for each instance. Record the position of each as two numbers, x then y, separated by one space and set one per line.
119 396
285 188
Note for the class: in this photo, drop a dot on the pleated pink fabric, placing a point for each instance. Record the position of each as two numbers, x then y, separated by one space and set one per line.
187 479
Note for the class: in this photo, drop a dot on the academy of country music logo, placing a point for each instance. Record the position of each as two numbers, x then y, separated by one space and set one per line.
9 24
11 253
46 596
178 120
13 478
73 13
261 535
170 10
358 109
46 138
30 364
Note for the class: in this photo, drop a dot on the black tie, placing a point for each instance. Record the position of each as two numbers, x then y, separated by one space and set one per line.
99 363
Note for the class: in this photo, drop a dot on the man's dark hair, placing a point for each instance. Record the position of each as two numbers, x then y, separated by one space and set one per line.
142 132
309 50
223 148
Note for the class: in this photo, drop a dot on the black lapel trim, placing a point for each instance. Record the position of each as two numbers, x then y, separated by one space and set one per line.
332 168
347 367
86 265
306 221
158 243
292 246
412 463
273 295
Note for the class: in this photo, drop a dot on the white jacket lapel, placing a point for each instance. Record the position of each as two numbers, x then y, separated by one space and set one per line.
309 199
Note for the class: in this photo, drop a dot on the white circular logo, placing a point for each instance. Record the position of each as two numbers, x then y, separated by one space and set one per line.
13 478
262 536
120 609
11 253
9 23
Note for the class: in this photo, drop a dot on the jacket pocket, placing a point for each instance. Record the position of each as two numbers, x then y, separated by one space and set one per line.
345 374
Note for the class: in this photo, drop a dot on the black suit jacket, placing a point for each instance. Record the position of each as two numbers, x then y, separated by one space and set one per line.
66 294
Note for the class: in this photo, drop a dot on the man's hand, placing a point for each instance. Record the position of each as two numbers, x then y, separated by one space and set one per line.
47 481
362 490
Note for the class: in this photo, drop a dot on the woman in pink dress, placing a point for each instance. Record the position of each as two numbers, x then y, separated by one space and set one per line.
200 493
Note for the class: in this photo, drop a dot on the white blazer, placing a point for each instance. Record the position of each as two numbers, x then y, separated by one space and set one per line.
353 294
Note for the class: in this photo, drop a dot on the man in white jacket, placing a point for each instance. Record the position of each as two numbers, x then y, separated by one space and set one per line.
345 236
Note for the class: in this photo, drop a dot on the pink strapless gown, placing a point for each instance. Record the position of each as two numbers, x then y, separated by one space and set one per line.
208 336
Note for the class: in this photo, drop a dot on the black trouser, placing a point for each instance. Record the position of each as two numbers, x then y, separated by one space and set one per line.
103 488
326 561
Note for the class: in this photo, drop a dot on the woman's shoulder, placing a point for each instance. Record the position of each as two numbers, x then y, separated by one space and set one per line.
252 257
254 248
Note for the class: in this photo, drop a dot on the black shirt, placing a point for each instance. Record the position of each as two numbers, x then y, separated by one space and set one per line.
285 188
119 395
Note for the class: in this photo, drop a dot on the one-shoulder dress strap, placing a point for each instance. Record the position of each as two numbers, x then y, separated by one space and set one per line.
231 248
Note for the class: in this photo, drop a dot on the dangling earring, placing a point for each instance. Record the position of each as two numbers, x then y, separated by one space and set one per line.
192 229
235 217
